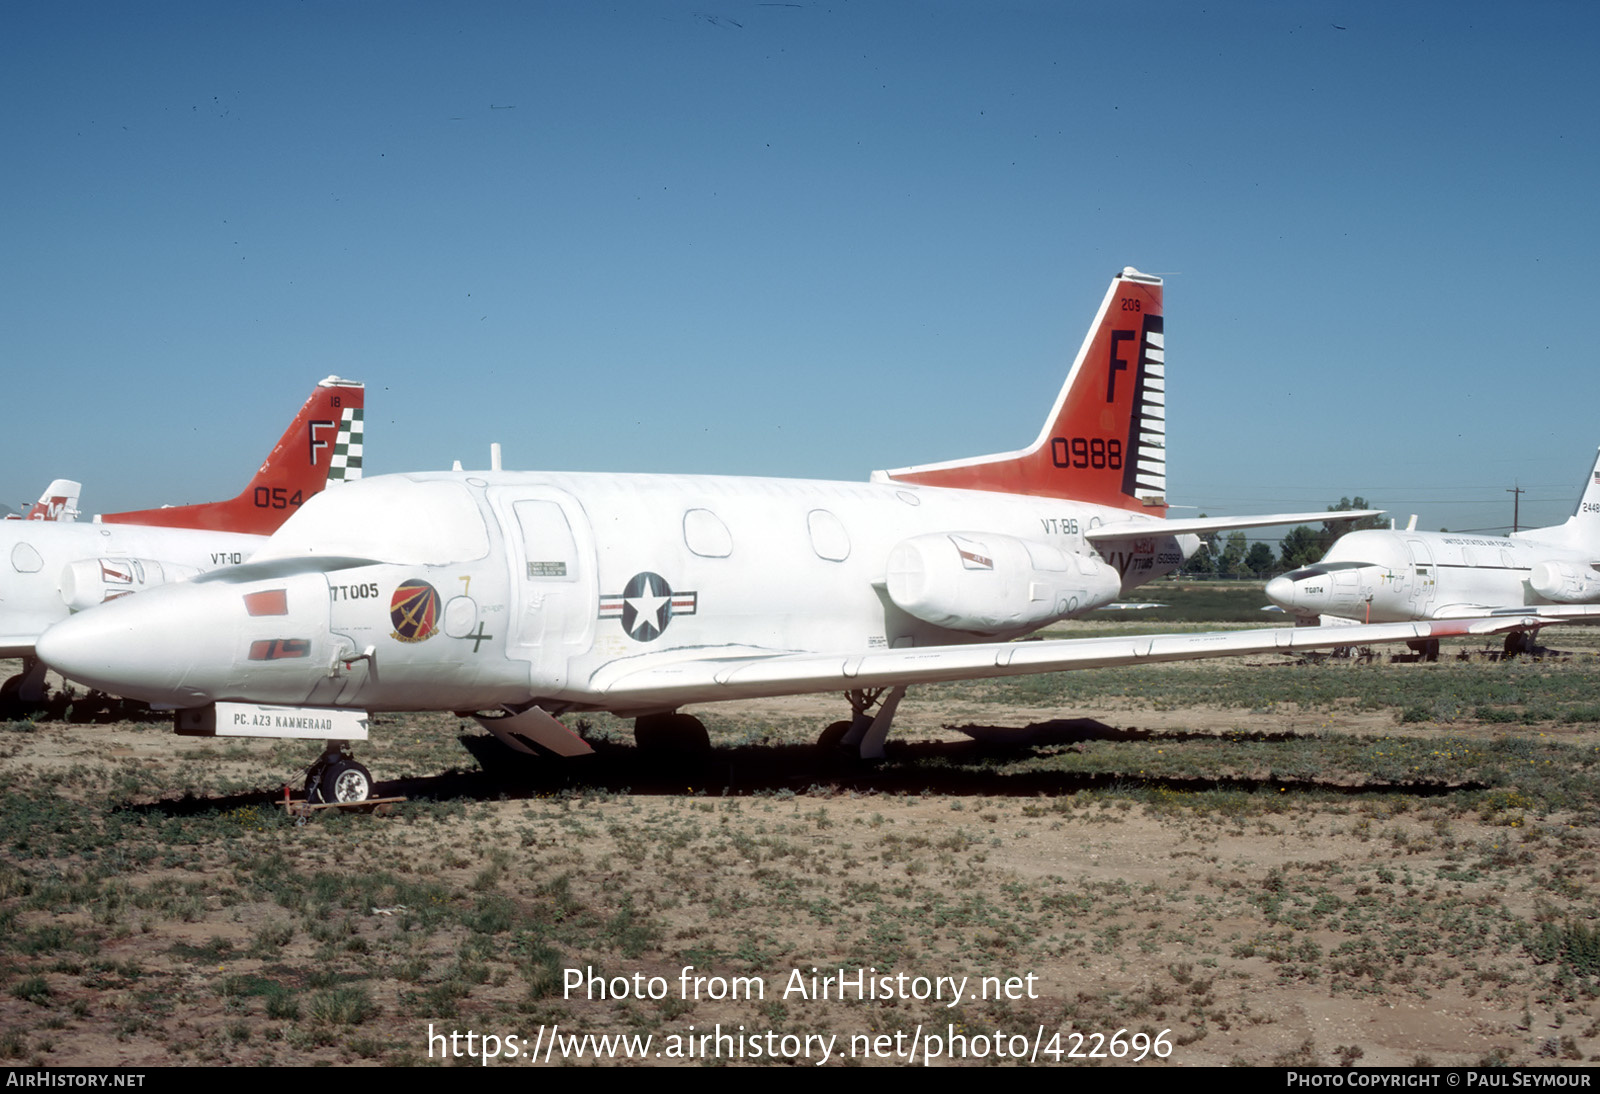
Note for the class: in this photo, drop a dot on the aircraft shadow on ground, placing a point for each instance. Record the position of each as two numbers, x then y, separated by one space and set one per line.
952 768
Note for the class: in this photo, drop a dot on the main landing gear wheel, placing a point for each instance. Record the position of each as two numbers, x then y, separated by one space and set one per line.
1427 647
680 733
864 732
832 738
1520 642
337 779
26 689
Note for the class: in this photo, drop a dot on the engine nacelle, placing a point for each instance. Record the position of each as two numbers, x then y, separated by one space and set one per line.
1565 582
990 584
91 581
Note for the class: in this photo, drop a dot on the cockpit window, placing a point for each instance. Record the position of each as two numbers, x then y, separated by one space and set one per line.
390 519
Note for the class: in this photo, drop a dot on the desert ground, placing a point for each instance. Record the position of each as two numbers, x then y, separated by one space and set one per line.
1259 861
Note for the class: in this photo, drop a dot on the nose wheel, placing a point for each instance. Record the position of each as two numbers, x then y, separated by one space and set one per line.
337 779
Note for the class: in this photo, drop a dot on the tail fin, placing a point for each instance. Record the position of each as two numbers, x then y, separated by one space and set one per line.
59 502
1581 531
1105 439
321 446
1587 515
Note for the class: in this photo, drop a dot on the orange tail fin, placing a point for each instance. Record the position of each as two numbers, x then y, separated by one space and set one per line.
323 444
1105 439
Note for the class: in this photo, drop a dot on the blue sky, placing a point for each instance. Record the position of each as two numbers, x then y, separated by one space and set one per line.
802 239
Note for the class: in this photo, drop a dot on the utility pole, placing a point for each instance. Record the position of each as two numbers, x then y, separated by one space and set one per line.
1516 506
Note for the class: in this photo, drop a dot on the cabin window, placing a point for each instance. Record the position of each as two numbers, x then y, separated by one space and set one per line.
706 535
828 537
25 560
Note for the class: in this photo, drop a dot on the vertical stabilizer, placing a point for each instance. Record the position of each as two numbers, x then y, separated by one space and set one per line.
322 445
59 502
1104 440
1581 532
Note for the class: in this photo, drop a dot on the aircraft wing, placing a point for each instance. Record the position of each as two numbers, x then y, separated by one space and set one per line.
685 676
22 631
1527 614
17 645
1123 529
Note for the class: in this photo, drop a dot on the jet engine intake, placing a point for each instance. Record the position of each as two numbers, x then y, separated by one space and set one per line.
91 581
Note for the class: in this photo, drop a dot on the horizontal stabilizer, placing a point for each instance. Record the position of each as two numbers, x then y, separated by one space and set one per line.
1123 529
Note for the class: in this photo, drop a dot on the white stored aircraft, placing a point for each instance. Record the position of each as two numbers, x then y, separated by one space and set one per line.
54 567
1543 575
533 594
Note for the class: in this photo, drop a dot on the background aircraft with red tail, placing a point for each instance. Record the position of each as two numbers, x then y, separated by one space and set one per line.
523 596
56 567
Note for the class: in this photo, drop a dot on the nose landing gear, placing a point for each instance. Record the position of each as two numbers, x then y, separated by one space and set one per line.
337 779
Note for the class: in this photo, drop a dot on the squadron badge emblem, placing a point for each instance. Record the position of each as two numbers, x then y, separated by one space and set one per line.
414 611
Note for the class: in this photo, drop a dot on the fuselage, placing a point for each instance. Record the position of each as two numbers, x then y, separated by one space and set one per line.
463 591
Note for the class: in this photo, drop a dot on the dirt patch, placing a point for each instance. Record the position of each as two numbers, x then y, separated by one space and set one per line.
1227 884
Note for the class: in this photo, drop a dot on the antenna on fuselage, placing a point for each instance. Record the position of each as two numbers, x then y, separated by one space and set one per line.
494 458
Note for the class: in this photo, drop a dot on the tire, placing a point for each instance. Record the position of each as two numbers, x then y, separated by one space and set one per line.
346 781
671 733
832 738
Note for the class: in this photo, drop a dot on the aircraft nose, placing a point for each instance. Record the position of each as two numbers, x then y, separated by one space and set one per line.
1280 590
139 647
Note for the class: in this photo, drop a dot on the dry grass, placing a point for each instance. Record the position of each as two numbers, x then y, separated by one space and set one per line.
1293 873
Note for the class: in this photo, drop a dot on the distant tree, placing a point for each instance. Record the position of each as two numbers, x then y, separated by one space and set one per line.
1301 547
1201 562
1333 529
1231 561
1260 559
1304 546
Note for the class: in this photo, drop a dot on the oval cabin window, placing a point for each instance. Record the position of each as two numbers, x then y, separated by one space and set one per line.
828 537
706 535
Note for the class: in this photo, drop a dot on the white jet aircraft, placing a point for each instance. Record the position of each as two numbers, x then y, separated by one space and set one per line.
537 594
1543 575
59 567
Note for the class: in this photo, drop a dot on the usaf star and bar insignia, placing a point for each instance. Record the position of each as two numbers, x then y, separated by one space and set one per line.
646 605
